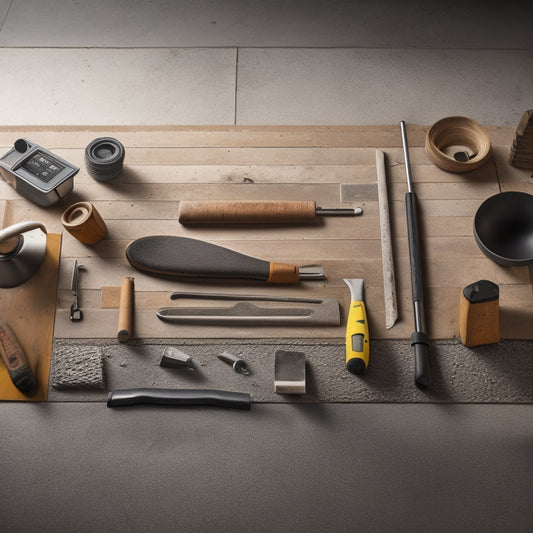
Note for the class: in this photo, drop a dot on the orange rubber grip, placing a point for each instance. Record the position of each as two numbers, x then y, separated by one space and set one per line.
283 273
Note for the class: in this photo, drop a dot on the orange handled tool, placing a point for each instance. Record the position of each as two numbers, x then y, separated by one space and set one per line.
167 255
13 356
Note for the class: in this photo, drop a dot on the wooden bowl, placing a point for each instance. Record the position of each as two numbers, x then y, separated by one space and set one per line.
453 137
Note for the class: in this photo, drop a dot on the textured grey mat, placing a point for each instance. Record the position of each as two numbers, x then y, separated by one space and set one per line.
77 369
498 373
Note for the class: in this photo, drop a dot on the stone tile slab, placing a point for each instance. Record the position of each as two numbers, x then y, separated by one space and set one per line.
117 86
377 86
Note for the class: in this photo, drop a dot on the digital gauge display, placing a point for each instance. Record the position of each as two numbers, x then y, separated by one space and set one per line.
43 166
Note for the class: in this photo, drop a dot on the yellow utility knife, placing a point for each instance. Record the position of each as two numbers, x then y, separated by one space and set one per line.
357 339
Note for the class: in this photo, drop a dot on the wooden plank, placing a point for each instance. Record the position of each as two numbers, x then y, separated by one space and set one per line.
235 156
282 136
29 310
161 136
442 313
165 165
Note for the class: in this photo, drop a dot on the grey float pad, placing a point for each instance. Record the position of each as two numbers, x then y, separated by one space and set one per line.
182 256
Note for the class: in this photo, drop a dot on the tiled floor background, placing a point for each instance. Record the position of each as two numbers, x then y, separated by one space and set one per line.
279 468
256 62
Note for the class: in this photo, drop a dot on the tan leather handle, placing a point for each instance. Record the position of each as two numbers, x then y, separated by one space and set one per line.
247 212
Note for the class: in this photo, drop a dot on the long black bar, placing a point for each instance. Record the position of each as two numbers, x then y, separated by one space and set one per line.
182 397
419 339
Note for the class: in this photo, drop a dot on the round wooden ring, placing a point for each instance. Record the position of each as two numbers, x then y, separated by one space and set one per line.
461 132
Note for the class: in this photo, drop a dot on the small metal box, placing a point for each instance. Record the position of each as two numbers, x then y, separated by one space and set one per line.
36 173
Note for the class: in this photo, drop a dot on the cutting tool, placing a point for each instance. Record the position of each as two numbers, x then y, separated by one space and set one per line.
357 338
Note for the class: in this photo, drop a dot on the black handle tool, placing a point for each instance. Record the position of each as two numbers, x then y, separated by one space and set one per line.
419 339
169 255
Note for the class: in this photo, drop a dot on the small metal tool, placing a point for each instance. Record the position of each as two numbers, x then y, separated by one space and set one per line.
339 211
75 311
174 358
238 364
289 372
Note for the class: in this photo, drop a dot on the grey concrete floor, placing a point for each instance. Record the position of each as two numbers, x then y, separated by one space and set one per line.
320 467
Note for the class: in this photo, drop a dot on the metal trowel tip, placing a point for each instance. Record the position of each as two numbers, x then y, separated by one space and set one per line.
356 287
311 272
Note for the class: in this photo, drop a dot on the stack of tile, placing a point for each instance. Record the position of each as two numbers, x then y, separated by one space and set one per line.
522 148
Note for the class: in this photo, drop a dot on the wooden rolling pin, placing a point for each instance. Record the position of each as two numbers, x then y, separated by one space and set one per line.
257 212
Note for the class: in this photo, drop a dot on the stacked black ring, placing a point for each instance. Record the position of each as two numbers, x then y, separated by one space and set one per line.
104 158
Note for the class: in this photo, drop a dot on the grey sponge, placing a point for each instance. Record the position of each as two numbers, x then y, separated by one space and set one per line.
77 367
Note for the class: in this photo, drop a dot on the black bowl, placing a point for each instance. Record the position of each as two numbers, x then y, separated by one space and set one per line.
503 228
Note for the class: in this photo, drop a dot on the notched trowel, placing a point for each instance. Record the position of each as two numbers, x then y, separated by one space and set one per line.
253 311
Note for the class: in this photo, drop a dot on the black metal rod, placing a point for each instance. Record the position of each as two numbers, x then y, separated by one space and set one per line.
419 339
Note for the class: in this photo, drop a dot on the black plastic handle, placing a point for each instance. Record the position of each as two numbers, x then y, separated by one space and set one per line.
219 398
419 339
182 256
417 285
420 344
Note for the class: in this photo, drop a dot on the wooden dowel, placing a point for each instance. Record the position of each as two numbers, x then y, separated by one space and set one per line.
389 278
125 312
247 212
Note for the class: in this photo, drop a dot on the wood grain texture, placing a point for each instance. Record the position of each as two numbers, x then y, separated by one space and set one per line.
215 212
165 165
30 311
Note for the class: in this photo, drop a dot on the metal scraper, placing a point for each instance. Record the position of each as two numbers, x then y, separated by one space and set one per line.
253 311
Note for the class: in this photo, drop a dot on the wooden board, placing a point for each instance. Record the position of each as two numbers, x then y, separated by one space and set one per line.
30 311
165 165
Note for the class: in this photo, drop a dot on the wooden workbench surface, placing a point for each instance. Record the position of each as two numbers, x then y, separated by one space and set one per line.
164 165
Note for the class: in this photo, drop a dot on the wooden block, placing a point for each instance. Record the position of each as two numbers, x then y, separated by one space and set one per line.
479 317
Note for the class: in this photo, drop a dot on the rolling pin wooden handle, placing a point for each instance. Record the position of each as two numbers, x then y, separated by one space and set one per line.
125 310
15 359
248 211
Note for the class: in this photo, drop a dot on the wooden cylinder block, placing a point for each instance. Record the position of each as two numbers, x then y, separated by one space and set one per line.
84 222
479 318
